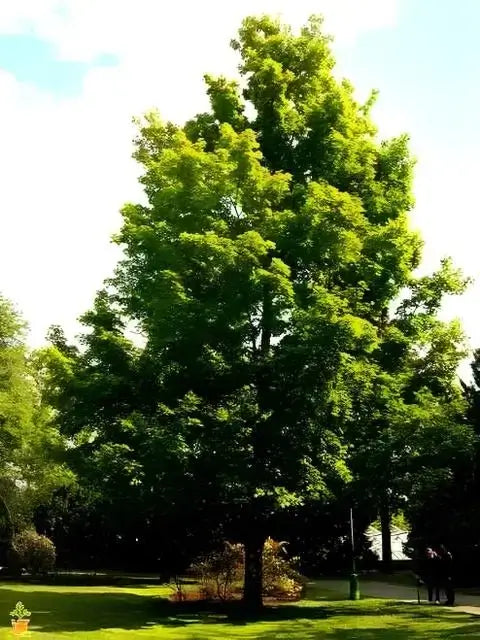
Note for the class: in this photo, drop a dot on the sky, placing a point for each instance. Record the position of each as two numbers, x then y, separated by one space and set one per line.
73 73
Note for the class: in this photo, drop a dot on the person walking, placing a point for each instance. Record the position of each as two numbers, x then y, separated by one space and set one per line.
446 574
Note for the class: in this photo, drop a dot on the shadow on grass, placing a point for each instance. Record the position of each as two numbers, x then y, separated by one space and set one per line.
57 611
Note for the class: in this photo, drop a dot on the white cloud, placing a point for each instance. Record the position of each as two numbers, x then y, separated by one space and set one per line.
83 29
22 16
65 163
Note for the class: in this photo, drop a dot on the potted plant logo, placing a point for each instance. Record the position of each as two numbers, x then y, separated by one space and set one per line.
20 619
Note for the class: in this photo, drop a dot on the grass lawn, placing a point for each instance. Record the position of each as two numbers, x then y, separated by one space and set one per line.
114 613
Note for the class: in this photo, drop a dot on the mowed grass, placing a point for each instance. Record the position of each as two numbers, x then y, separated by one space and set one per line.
115 613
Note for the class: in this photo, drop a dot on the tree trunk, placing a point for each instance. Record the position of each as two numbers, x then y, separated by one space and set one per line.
7 534
386 538
9 531
252 587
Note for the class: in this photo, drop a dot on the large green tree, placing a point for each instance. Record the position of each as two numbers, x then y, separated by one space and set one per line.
260 274
259 271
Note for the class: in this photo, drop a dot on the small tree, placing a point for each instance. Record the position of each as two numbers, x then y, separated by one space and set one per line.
219 570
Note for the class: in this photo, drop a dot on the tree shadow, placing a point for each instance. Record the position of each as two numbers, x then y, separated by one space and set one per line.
55 611
71 611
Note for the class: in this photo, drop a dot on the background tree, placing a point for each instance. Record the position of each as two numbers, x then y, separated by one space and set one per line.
31 449
471 392
408 418
444 506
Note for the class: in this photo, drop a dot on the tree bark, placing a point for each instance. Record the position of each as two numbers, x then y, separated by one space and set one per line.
266 322
386 538
254 538
7 534
9 531
253 587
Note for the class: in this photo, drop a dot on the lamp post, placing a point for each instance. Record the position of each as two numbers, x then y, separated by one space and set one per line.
354 584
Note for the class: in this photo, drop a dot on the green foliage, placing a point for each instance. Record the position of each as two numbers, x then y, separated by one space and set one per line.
31 448
398 520
242 270
34 552
280 578
20 612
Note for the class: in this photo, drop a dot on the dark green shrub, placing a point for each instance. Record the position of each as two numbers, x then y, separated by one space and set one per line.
34 552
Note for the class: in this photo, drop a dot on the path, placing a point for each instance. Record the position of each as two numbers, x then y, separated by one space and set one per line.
463 602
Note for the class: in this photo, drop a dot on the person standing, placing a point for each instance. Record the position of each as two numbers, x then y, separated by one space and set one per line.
429 573
446 574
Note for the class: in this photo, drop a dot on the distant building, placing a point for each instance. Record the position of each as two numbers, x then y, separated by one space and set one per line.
399 538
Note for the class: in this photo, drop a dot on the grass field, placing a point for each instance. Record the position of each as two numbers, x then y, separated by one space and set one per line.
115 613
